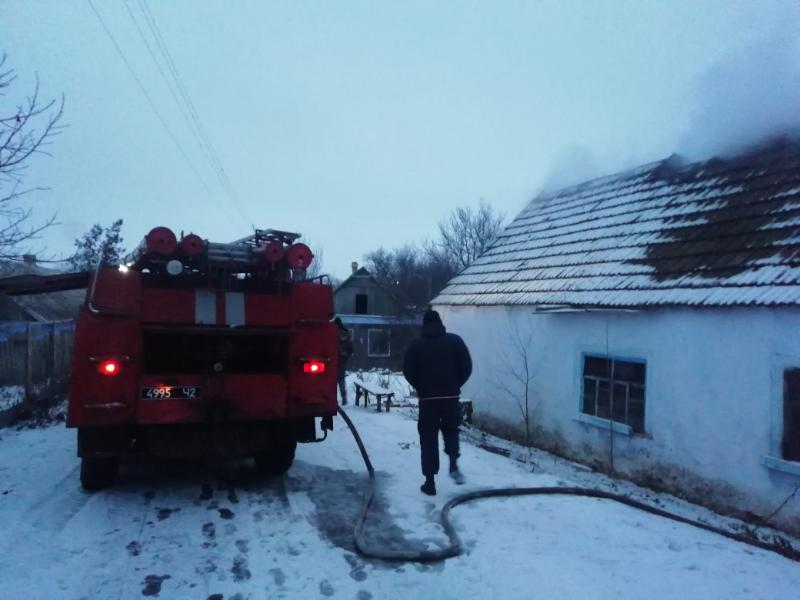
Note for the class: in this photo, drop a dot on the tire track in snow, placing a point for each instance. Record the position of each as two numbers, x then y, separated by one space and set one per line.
56 507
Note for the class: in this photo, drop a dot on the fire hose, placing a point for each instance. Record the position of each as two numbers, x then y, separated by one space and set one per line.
455 548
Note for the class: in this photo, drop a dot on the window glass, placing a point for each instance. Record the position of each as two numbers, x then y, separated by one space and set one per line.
636 408
603 399
378 342
361 304
596 366
629 371
790 445
620 402
589 392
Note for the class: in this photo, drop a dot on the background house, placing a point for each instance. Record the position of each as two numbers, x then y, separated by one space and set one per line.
651 319
382 325
36 338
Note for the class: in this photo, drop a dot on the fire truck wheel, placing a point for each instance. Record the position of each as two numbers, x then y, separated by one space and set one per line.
277 459
98 473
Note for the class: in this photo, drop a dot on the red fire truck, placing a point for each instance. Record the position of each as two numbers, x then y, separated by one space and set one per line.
199 349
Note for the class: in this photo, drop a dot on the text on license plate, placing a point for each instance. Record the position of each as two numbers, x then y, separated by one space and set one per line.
167 392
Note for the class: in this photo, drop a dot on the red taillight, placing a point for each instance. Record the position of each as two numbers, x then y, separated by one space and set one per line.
313 367
108 367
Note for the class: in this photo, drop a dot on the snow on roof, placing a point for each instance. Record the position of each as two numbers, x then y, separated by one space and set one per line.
53 306
381 319
50 306
723 232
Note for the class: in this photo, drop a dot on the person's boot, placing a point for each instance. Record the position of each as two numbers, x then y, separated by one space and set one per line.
455 473
429 487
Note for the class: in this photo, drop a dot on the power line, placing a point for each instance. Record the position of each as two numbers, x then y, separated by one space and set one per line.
171 86
215 161
213 156
147 96
161 70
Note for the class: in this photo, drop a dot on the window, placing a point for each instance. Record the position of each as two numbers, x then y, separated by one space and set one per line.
361 304
790 441
613 385
377 342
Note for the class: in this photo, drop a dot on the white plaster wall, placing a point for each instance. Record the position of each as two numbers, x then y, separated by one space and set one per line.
713 389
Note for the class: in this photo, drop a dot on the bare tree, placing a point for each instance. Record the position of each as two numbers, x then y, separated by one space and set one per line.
381 264
515 372
465 235
403 271
317 266
419 274
25 129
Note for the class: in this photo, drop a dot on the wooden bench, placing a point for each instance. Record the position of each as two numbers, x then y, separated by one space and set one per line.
365 389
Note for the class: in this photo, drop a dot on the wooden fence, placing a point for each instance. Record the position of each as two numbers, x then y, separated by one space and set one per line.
35 363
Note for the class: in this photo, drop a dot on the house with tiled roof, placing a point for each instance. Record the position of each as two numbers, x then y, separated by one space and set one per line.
648 323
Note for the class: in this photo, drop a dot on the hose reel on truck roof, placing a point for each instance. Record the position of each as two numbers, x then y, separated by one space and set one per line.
267 252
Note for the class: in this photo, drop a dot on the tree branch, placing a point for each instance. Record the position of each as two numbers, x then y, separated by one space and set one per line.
25 130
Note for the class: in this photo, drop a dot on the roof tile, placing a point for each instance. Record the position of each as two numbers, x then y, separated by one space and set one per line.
714 233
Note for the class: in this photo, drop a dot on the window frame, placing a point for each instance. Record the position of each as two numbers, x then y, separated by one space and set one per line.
388 333
593 419
774 460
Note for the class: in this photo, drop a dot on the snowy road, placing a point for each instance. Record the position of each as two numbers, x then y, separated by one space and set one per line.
219 531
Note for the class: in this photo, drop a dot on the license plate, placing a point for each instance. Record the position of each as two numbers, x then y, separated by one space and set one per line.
169 392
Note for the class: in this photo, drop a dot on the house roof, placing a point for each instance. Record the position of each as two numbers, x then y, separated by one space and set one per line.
53 306
381 319
360 273
723 232
363 274
50 306
10 268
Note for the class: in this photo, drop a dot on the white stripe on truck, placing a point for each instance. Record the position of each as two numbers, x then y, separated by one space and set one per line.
205 307
234 309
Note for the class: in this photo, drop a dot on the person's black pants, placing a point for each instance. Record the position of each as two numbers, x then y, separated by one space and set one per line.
435 415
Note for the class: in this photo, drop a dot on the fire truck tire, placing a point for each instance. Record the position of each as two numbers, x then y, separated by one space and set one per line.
277 459
98 473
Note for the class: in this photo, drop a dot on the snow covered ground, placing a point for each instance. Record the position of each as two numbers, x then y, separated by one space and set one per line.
178 530
10 396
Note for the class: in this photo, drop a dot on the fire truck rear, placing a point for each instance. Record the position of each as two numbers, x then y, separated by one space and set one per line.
199 349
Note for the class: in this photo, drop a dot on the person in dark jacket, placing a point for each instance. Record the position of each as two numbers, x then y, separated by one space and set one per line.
345 352
437 364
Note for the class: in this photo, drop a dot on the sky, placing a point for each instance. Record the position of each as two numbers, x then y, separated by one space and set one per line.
363 124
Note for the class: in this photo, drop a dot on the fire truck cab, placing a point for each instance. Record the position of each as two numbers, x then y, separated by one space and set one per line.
199 349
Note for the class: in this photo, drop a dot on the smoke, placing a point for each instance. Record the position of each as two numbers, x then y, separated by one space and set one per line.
748 97
573 165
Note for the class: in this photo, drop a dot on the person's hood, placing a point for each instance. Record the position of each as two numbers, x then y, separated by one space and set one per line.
433 329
